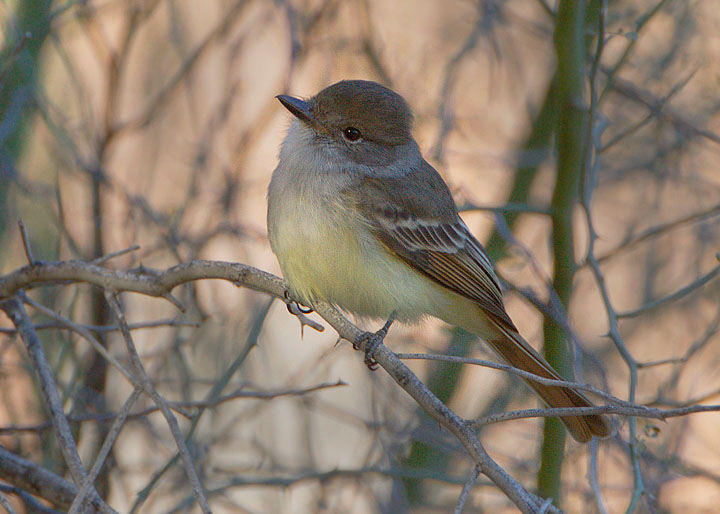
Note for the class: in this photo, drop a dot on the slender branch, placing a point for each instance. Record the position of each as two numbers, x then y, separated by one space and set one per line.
101 329
462 429
26 242
617 406
28 476
159 401
13 307
516 371
474 474
593 477
693 286
105 258
658 107
151 282
589 173
624 409
112 435
178 406
657 230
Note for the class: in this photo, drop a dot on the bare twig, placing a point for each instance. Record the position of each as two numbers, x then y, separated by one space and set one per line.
101 329
13 307
112 435
459 427
105 258
593 477
150 390
467 486
36 479
179 406
26 242
657 106
588 184
625 409
690 288
632 242
515 371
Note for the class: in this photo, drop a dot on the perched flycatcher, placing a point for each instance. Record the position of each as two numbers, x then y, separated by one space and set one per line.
358 219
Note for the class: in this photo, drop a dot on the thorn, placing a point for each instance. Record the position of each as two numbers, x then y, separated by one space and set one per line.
294 309
109 256
26 242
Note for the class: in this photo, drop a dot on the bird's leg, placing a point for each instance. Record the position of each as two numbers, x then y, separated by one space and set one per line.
372 341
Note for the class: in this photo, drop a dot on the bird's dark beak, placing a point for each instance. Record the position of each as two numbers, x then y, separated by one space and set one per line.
300 108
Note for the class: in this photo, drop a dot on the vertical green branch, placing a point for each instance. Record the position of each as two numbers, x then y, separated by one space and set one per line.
537 147
25 30
570 52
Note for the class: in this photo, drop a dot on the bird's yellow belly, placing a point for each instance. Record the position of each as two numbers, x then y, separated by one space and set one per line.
325 257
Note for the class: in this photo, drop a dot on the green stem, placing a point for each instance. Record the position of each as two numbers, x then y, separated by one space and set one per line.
534 153
570 51
25 32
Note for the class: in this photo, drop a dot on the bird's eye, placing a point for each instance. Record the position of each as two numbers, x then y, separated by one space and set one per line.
351 134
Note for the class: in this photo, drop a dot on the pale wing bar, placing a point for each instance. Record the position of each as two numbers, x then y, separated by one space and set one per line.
449 254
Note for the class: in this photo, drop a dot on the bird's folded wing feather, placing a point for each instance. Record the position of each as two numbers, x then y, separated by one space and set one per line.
437 243
450 255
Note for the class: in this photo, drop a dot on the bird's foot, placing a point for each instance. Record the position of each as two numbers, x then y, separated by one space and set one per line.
372 341
294 307
300 311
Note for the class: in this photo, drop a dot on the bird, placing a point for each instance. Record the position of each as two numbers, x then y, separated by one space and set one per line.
357 218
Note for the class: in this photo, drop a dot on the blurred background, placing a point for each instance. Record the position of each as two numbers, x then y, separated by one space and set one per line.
154 123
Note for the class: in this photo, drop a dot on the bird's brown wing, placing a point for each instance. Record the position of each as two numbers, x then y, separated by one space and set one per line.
431 237
415 217
449 254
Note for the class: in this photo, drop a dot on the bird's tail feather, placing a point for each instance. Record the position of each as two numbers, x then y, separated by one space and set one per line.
518 353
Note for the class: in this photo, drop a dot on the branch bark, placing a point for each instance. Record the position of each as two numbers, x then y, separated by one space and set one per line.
161 283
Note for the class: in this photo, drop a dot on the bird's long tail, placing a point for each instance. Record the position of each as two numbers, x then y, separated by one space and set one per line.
518 353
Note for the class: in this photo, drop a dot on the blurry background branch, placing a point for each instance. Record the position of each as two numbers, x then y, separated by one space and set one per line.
158 283
153 123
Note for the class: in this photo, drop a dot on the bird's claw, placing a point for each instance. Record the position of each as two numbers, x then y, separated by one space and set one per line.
299 312
294 307
372 341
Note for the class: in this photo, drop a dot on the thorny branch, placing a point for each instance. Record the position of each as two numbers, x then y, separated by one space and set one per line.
160 283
